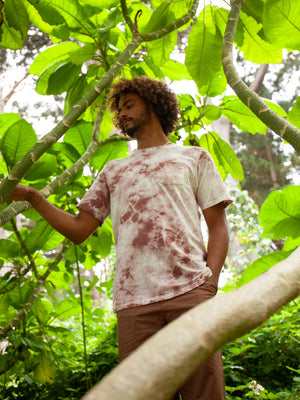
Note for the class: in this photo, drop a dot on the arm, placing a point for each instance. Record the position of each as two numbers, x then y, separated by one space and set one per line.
218 238
76 228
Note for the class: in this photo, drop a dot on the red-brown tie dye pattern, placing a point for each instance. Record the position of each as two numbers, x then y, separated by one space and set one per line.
154 197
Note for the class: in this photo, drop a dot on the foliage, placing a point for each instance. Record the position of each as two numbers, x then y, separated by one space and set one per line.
71 378
43 293
268 355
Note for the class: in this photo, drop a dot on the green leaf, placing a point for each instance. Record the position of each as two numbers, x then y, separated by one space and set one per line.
75 15
204 50
110 151
63 78
280 213
48 13
241 116
261 265
52 55
76 92
83 54
79 136
44 368
254 48
7 120
254 8
175 71
19 296
210 113
294 114
38 236
67 308
14 27
42 309
223 155
66 154
215 86
17 141
281 20
105 4
61 31
9 249
44 167
160 50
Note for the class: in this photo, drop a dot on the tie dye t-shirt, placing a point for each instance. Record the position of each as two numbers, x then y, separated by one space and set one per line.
153 198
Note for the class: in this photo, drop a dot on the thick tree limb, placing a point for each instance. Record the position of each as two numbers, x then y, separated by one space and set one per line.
160 366
274 121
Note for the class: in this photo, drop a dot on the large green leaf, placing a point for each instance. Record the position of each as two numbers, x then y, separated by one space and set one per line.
241 116
63 78
75 15
110 151
254 8
14 27
67 308
175 71
19 296
7 120
44 369
102 243
39 235
261 265
9 249
66 153
204 50
105 4
294 114
58 78
61 30
223 155
79 136
160 50
254 48
17 140
281 20
44 167
52 55
215 86
280 213
48 13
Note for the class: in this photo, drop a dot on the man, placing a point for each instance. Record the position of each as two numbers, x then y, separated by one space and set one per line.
153 197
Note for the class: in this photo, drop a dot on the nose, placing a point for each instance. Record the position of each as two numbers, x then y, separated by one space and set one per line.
122 114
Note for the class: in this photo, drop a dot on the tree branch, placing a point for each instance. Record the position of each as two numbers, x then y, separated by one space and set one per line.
274 121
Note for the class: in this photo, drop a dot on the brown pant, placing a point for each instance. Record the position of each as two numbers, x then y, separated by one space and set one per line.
136 325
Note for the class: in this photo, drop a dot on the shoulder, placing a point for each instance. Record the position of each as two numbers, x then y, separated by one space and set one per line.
197 153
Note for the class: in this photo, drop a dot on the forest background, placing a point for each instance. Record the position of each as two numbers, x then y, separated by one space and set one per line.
58 330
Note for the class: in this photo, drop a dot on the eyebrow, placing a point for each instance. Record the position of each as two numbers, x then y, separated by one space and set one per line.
124 104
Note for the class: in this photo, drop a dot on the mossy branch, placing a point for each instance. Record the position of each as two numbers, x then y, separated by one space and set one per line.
252 100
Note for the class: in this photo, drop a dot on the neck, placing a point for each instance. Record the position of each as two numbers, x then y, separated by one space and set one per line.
152 135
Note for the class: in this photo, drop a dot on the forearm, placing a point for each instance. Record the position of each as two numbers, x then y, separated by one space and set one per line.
217 248
60 220
76 228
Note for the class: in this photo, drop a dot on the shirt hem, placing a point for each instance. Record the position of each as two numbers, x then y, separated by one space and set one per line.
159 299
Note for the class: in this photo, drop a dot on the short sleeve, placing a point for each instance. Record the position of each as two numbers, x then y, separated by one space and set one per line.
211 189
96 201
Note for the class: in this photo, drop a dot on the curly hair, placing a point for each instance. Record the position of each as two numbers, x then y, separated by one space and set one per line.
155 93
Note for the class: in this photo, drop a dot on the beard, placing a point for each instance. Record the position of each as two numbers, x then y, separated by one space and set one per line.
138 123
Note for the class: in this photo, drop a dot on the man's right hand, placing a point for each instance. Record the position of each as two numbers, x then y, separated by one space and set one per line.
21 193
